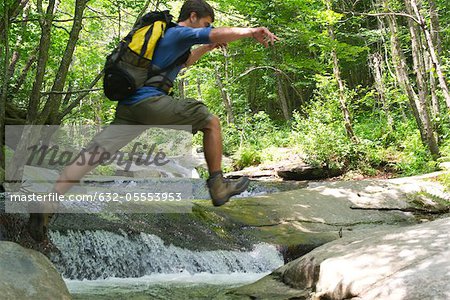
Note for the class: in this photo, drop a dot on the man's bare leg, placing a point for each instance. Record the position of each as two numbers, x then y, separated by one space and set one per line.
212 145
220 189
71 175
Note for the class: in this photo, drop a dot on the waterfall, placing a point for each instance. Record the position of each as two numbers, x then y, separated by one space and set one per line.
101 254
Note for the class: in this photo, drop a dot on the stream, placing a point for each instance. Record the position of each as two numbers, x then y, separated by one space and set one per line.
97 264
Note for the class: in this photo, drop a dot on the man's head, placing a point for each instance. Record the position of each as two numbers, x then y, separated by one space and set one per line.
196 14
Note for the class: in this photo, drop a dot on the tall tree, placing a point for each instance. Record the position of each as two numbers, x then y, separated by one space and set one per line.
337 76
433 53
401 69
50 112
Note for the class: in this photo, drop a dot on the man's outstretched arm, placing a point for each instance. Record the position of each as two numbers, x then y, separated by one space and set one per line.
219 37
226 35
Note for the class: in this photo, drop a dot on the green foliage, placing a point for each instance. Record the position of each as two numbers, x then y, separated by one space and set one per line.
251 74
444 179
247 156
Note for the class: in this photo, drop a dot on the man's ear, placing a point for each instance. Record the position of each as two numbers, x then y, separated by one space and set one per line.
193 17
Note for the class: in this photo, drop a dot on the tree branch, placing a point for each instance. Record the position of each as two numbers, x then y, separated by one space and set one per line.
382 15
269 68
64 20
80 97
69 92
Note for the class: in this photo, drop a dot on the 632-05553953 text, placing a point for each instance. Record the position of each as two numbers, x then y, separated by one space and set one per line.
97 196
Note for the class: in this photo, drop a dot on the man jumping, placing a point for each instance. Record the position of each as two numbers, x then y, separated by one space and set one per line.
151 104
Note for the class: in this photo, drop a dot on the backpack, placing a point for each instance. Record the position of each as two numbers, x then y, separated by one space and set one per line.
130 67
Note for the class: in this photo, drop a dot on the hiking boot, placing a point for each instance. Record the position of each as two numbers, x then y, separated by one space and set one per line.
221 189
38 225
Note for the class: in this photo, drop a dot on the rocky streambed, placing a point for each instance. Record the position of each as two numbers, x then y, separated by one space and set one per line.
340 220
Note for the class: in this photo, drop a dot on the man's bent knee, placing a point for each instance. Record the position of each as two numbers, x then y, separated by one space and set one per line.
213 124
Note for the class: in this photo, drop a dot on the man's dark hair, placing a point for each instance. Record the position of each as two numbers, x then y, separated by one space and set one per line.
200 7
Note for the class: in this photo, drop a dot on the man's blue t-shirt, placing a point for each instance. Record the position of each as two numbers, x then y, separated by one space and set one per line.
176 41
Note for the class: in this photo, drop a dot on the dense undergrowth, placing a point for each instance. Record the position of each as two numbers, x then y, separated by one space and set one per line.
316 133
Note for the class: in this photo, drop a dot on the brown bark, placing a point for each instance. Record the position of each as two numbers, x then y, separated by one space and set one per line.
44 45
50 112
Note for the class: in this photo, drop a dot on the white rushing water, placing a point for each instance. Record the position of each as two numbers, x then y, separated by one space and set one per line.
146 282
99 254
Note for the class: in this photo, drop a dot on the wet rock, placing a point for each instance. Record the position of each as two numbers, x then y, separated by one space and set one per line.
295 169
27 274
301 171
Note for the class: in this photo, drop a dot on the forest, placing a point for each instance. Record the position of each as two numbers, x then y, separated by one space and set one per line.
356 85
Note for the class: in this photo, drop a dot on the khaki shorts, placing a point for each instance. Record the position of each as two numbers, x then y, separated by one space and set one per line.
161 110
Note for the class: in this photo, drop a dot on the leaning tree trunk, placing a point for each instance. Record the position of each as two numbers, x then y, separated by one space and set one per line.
434 30
433 53
422 84
401 71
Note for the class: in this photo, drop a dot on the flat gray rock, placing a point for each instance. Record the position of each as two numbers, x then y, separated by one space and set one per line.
404 263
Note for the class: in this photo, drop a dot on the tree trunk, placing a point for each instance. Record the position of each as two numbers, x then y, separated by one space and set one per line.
181 84
376 62
435 105
44 45
199 90
50 112
31 133
435 27
422 84
225 97
433 53
282 98
4 93
23 74
337 75
401 71
11 12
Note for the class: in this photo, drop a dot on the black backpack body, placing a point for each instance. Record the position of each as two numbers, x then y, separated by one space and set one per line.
130 66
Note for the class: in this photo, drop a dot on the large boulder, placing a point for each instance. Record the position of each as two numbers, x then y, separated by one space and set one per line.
405 263
28 274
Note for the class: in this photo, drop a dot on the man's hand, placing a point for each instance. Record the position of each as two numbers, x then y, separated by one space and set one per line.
264 36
